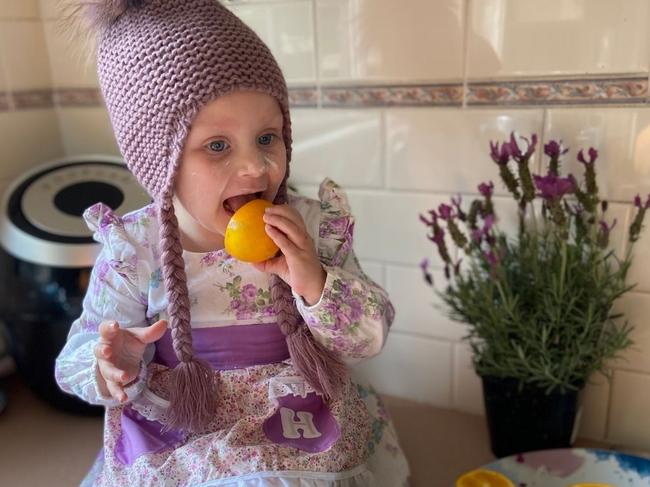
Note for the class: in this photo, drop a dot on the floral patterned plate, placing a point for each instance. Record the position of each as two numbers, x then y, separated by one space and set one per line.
565 467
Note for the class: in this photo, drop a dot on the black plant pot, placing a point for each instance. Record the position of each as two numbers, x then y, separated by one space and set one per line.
528 419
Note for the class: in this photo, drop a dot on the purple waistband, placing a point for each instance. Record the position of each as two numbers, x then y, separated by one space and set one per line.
229 347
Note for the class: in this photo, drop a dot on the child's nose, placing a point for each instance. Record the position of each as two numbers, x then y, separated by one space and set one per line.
252 165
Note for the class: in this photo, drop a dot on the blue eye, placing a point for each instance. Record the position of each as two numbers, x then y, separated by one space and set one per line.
266 139
217 146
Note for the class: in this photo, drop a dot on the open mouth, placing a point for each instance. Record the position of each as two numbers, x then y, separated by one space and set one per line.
234 203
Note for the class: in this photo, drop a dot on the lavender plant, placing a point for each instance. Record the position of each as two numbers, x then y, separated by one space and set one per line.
539 305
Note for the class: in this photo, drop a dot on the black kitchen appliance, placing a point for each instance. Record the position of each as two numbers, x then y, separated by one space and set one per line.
46 257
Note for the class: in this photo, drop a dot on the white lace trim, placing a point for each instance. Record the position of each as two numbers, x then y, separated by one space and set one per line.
151 406
283 386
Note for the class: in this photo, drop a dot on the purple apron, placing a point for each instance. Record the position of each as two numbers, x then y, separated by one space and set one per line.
302 422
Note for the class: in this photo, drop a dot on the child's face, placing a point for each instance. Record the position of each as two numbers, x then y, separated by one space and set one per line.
234 153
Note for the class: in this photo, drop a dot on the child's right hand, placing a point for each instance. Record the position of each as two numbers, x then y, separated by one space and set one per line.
119 353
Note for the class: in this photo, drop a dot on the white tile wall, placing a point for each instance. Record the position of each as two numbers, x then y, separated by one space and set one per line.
19 9
639 274
595 406
49 9
86 131
446 150
418 309
287 28
72 61
403 240
28 138
636 307
628 417
24 72
564 37
467 387
367 40
622 138
388 227
345 145
412 367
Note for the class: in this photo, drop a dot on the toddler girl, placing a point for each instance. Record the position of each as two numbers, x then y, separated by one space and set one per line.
215 372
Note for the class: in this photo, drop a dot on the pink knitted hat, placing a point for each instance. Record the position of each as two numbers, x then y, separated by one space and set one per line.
159 62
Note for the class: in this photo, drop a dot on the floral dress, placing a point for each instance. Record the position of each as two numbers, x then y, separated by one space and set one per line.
271 428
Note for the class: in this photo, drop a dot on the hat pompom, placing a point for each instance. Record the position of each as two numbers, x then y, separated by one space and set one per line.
101 14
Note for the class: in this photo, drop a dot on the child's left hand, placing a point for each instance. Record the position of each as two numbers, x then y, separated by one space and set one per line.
298 265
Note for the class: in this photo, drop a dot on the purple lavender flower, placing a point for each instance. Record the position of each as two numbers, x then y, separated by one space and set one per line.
553 187
554 149
438 236
637 223
432 222
500 156
603 235
593 155
456 201
479 233
491 257
445 211
516 153
486 189
606 228
639 203
488 223
424 265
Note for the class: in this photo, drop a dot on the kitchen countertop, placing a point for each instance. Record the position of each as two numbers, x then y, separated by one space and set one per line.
42 446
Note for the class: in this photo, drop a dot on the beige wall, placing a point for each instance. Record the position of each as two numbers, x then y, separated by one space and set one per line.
28 135
398 157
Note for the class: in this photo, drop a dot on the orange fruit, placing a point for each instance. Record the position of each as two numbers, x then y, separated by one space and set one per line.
245 238
483 478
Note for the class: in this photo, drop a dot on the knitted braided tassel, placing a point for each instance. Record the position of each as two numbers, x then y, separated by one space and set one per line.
193 392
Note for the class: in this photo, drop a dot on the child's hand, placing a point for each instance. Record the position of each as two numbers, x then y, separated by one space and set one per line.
298 265
119 353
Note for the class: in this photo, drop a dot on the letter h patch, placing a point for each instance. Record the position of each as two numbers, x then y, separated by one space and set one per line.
302 422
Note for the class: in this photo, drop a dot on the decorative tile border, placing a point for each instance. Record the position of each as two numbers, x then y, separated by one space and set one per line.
303 97
5 102
559 92
407 95
78 97
24 100
611 91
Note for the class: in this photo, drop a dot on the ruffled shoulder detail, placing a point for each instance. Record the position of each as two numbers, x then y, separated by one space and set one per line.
100 218
336 225
120 247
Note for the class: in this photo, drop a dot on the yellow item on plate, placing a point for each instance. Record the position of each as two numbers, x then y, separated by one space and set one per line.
483 478
245 238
